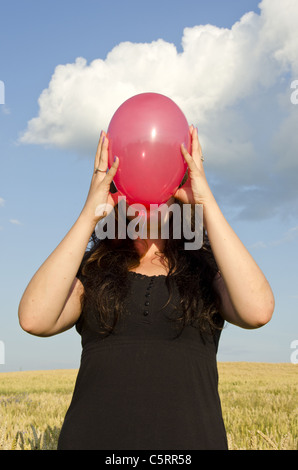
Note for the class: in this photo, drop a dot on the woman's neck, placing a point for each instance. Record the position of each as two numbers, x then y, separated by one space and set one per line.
148 247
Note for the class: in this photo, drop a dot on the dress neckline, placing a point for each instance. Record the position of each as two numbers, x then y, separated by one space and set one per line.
146 275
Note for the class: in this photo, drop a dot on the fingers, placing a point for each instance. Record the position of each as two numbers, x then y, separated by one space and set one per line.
196 150
98 150
101 156
101 162
196 146
188 158
112 172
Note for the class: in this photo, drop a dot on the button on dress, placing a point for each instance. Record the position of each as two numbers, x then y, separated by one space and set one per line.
141 388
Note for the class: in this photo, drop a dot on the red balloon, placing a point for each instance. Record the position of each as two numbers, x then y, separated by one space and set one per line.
146 133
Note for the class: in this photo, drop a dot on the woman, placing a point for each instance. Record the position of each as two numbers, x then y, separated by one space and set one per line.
150 314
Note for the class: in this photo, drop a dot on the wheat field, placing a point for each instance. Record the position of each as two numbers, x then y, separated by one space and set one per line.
259 402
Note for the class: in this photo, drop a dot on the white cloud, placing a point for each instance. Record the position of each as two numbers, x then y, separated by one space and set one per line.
15 221
233 83
2 202
289 236
5 109
258 245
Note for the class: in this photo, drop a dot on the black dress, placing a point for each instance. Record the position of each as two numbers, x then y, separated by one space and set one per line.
140 388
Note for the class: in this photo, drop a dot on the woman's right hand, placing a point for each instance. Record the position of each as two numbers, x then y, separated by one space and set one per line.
99 200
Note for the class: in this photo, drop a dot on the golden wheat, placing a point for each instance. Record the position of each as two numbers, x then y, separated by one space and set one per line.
259 403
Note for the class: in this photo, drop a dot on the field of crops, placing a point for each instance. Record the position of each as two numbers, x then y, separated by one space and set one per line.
259 401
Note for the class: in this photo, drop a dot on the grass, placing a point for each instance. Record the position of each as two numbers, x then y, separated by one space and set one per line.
259 403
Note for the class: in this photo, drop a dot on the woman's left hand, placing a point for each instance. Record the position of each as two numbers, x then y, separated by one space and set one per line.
196 189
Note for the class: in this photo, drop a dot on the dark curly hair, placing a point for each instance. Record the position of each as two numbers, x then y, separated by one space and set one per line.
105 269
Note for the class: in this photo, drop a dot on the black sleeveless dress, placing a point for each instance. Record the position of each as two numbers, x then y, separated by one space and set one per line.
140 389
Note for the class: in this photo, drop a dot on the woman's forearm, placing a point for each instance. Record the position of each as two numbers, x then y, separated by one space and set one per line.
48 303
249 291
46 293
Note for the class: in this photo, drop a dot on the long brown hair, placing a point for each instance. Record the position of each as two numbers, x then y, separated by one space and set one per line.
105 269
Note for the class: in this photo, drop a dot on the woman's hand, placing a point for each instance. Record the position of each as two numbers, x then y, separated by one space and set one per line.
196 189
99 192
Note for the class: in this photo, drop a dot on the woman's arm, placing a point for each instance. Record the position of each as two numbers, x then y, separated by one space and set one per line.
51 302
246 297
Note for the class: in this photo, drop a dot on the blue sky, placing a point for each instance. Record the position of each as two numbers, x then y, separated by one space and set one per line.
232 77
